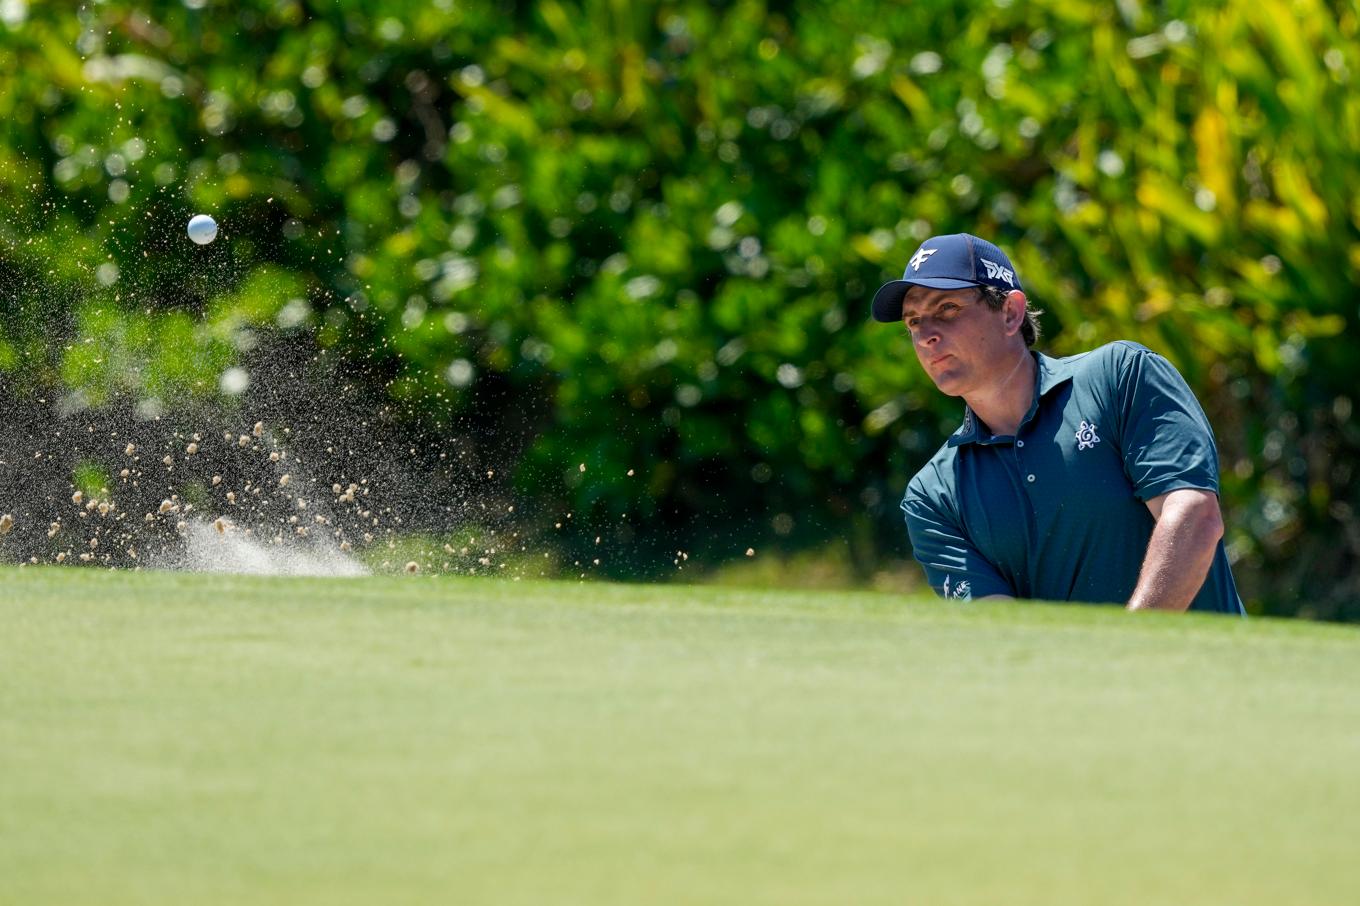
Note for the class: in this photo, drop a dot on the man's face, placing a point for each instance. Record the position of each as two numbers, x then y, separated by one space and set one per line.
961 342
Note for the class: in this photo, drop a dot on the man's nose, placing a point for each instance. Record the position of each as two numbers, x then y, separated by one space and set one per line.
926 335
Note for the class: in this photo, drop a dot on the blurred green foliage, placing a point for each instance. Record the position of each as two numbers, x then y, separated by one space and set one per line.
654 229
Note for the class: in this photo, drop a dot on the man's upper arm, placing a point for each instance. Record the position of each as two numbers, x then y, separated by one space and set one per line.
1166 440
954 567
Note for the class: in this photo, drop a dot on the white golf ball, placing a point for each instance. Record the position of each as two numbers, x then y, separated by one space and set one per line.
202 229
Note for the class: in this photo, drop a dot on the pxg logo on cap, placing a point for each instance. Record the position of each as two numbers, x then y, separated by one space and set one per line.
947 262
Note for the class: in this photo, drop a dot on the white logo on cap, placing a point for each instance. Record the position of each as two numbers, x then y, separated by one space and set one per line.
920 257
996 271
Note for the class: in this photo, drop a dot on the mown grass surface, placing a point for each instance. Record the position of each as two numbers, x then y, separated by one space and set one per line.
207 739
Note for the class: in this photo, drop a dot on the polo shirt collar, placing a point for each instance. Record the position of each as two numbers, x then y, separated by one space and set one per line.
1050 374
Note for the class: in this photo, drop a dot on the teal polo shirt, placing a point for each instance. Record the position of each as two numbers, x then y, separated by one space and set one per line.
1057 512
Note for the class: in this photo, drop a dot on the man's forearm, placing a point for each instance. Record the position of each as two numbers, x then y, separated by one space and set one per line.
1179 554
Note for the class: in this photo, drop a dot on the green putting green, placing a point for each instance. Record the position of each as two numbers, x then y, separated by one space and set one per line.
204 739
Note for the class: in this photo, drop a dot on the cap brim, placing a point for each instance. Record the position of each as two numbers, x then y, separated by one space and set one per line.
888 299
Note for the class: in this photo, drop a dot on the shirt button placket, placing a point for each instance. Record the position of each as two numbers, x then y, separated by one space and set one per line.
1019 444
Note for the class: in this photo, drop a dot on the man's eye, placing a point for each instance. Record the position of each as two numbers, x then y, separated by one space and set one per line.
948 307
912 323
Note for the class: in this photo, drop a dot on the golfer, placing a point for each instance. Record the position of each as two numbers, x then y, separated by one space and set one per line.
1087 478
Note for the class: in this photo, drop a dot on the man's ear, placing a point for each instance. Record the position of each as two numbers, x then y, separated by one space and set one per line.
1014 311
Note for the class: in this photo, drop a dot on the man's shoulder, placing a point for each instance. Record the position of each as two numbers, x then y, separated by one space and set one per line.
1110 355
1103 369
935 479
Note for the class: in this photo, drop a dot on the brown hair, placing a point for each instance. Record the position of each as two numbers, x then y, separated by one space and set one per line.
996 298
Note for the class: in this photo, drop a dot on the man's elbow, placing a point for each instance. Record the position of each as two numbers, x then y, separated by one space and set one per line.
1214 524
1205 519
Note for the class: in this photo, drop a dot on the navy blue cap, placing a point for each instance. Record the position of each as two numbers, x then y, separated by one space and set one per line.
947 262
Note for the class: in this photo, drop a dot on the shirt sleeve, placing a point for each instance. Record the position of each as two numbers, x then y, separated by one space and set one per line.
1167 442
954 567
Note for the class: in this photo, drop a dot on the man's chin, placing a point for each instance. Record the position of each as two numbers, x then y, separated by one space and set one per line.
948 383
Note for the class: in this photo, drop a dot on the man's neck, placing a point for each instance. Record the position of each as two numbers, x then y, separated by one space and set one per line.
1004 404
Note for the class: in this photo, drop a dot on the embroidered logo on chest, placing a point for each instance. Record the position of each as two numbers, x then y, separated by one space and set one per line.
1086 436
